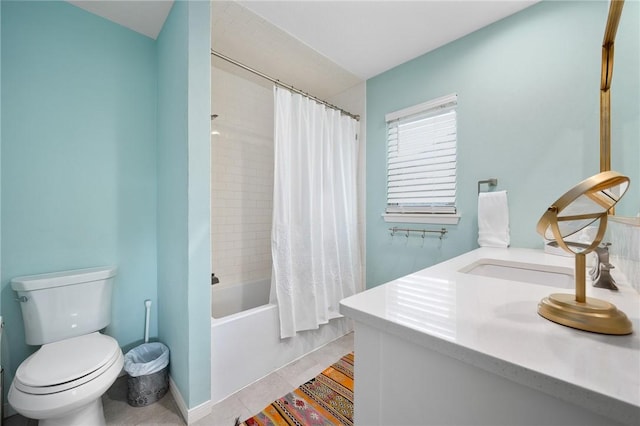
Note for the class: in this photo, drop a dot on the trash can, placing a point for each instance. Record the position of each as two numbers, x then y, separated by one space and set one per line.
148 368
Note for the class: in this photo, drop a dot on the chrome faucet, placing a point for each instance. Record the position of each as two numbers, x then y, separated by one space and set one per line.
601 271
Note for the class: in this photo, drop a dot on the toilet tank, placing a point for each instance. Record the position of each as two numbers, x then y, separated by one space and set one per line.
65 304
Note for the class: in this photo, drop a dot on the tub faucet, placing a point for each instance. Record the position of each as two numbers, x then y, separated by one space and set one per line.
601 271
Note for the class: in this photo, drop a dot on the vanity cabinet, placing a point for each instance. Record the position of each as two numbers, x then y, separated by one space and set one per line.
446 347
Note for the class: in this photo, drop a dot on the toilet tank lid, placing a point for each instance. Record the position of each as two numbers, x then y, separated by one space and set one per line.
62 278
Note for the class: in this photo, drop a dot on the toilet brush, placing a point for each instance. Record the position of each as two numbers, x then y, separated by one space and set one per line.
147 305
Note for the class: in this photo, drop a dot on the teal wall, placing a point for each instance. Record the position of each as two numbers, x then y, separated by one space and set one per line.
183 197
528 114
199 249
105 161
2 346
625 106
173 176
78 158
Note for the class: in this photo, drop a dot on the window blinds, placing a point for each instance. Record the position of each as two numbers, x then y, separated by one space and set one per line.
421 158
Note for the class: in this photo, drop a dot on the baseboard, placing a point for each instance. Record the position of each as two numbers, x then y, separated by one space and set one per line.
192 415
8 410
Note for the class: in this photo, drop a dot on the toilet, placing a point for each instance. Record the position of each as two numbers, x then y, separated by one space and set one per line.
62 382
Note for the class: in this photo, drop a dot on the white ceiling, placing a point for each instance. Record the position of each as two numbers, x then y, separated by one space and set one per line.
369 37
144 16
323 47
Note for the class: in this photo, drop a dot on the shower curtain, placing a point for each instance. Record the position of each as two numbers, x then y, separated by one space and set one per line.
314 240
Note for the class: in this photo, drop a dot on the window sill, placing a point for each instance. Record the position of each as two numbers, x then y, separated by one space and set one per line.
436 219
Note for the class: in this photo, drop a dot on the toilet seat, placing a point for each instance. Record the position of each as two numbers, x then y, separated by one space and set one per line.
66 364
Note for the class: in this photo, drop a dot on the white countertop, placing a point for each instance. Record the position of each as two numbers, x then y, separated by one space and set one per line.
493 324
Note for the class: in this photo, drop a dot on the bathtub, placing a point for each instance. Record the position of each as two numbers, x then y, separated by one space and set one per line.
245 337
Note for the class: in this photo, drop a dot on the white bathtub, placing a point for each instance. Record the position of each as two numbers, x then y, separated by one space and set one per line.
231 299
245 337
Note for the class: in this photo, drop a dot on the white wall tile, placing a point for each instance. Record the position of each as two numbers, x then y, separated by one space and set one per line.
625 249
242 179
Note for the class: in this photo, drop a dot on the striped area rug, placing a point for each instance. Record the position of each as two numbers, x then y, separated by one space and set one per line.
326 399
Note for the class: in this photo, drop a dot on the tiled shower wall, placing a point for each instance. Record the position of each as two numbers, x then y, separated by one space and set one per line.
624 236
241 178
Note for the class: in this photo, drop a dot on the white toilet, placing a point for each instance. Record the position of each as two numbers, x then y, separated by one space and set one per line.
62 383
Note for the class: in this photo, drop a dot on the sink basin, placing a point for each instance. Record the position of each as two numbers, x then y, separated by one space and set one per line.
554 276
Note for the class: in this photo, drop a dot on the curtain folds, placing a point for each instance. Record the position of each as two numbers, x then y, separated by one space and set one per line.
315 244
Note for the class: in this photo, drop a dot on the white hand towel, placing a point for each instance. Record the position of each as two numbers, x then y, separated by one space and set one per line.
493 219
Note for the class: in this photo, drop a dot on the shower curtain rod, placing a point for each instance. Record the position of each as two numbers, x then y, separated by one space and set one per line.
279 83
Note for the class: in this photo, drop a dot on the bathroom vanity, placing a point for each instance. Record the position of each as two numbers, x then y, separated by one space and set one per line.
461 342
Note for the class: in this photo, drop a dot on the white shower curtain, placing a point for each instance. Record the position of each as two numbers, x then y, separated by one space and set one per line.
314 239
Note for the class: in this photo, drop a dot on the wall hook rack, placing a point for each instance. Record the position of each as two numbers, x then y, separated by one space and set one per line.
407 231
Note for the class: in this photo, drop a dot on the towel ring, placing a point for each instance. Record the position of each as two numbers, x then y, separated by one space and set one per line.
491 182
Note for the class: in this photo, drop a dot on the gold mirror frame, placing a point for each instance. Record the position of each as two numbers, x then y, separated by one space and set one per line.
613 19
579 311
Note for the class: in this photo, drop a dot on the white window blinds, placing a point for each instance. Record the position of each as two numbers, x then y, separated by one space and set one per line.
421 158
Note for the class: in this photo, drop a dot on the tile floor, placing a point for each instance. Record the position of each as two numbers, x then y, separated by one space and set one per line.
243 403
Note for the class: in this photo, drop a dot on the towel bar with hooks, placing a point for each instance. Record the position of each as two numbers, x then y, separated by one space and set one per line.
407 231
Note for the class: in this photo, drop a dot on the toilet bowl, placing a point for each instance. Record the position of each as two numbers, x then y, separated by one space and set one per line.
63 381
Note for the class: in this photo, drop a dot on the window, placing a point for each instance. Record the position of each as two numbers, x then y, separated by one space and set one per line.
421 163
